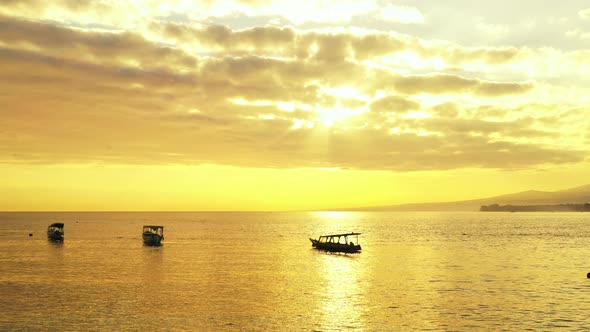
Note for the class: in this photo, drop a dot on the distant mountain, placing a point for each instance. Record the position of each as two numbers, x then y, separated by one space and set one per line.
577 195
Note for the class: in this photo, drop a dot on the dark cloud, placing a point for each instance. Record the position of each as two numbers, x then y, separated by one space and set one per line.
521 128
394 104
446 83
447 109
223 38
329 46
375 45
435 84
492 89
96 47
489 55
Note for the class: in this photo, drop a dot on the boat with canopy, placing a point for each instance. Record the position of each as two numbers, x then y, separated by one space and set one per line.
55 232
153 235
338 243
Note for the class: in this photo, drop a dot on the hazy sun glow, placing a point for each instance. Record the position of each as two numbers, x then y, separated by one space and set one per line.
329 116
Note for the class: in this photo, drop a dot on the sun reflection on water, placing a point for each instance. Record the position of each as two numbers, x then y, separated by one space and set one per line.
333 214
342 303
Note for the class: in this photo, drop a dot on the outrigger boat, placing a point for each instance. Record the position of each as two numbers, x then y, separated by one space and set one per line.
153 235
337 243
55 232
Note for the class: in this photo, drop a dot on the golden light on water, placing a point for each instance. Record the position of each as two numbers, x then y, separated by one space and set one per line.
333 214
343 298
257 271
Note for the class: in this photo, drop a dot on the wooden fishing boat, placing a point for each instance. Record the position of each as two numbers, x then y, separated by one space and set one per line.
337 243
153 235
55 232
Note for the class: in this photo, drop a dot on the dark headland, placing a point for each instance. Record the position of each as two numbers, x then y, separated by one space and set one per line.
570 198
537 208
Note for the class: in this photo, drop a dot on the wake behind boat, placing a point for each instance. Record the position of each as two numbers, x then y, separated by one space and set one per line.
337 243
55 232
153 235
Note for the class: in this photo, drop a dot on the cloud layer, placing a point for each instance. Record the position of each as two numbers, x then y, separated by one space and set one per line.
195 91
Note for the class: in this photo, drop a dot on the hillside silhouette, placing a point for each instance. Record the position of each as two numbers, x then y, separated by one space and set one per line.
576 195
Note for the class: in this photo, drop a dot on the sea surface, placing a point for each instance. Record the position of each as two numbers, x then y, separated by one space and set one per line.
258 272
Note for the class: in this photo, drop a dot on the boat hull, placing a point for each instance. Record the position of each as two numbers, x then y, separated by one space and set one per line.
150 239
55 232
55 236
335 247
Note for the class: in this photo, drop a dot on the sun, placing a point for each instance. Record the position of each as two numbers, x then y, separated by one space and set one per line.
339 111
329 116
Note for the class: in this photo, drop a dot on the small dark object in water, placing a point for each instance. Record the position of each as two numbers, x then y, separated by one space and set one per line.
30 234
588 275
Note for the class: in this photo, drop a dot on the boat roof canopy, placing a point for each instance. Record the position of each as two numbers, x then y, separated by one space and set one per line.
153 227
338 235
57 224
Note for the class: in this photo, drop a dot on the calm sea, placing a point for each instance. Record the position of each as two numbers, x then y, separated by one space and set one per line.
257 272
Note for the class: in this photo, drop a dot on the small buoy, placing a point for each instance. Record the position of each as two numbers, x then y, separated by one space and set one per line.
588 275
31 234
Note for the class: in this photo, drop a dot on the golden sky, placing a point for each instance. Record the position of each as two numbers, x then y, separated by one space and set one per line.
284 105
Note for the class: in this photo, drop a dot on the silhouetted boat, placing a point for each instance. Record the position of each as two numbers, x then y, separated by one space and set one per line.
153 235
337 243
55 232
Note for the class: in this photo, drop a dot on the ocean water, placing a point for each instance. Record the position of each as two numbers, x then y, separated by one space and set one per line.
257 272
